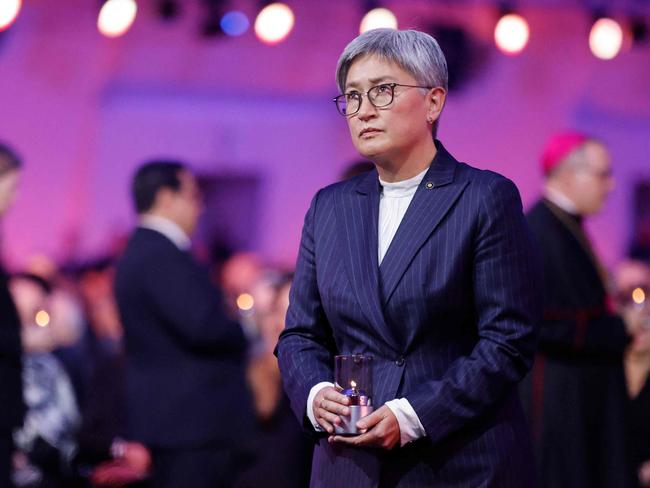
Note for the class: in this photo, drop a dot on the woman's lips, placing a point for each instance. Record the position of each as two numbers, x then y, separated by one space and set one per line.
366 133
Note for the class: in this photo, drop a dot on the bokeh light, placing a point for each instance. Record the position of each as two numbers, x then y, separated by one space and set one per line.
42 318
9 10
638 296
511 34
116 17
378 18
245 302
606 38
274 23
235 23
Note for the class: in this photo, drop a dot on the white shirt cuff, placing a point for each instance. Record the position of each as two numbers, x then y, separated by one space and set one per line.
410 427
310 403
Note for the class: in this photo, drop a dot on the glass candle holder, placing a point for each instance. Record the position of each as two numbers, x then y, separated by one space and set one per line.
353 377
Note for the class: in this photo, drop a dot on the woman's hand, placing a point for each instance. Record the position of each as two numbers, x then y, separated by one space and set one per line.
381 430
327 406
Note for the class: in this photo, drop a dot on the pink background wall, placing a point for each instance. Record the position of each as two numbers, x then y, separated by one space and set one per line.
84 111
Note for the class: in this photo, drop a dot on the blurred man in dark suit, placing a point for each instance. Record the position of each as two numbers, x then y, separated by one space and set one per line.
576 391
186 389
11 396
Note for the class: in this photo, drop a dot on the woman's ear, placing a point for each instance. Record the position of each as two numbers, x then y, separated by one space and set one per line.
436 100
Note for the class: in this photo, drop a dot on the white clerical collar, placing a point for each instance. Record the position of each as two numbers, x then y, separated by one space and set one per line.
558 198
404 187
166 227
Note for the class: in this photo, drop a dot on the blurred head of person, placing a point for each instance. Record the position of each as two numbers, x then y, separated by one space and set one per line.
393 86
10 165
580 168
50 317
95 285
239 274
168 189
275 302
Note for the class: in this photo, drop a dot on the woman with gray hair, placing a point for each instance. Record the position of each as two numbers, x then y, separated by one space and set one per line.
426 265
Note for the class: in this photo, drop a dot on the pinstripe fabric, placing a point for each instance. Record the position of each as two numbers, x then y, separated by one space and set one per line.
450 317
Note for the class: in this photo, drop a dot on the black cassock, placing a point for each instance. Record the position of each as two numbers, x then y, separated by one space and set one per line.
575 394
639 430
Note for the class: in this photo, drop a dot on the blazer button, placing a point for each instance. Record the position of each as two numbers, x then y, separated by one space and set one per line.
399 361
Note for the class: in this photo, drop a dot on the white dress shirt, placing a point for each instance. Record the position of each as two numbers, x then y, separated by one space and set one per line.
393 203
166 227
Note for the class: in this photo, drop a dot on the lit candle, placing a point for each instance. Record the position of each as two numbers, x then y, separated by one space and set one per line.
356 396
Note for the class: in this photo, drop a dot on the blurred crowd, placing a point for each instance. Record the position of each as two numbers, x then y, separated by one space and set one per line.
74 433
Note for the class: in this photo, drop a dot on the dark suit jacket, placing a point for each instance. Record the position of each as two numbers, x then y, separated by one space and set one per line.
575 395
185 358
12 407
450 317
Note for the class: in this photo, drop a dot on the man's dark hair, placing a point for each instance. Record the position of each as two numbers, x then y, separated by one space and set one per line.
9 160
150 178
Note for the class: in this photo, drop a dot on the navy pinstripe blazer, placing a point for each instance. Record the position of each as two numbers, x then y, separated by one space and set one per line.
450 316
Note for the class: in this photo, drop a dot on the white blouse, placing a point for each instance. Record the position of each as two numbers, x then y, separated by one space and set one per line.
394 200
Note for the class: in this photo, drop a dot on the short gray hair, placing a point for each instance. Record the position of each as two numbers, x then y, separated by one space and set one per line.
414 51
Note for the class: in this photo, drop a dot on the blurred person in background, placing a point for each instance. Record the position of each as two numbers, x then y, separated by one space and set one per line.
576 391
239 273
11 393
63 302
46 441
187 398
105 455
633 286
282 451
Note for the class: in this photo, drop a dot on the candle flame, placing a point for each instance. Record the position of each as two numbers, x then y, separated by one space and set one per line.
353 384
638 295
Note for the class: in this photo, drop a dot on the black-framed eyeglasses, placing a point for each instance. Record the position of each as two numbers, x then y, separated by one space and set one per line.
379 96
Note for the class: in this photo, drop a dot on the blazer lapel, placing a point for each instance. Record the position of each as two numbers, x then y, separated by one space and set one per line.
358 210
434 197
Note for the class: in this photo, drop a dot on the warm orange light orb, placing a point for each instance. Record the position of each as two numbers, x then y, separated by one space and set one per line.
638 296
42 318
511 34
9 10
116 17
274 23
245 302
378 18
606 38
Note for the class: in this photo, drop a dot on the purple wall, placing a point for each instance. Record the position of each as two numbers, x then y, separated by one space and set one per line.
85 110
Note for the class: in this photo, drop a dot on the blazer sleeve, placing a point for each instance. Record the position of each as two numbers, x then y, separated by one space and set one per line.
508 310
190 306
305 348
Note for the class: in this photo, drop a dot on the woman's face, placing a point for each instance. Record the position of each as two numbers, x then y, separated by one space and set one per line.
389 133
